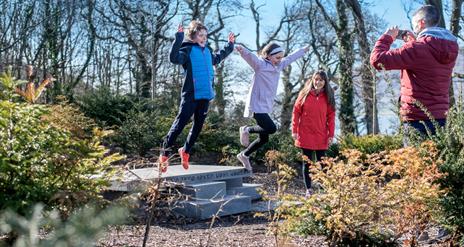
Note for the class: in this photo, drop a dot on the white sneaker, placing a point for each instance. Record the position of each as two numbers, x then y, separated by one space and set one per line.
244 136
245 161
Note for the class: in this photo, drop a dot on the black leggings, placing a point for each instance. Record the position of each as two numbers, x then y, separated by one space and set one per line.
305 169
264 128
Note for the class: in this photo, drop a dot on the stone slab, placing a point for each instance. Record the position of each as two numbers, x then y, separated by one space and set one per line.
205 209
139 178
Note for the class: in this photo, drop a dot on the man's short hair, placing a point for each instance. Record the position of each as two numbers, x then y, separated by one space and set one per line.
430 15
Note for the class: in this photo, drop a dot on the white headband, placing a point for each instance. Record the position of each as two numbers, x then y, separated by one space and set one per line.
276 50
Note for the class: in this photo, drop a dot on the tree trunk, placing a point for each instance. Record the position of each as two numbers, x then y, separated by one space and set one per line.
367 73
346 60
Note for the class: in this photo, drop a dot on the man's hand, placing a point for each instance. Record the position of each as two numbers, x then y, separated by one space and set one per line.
392 31
239 48
409 37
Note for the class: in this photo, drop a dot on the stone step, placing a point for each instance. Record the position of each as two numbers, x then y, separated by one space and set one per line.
247 189
208 190
205 209
136 179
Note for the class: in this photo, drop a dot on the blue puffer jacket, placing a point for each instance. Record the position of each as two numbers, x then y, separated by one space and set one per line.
198 64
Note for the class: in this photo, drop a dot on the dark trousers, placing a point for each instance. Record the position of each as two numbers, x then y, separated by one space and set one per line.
197 108
421 127
264 128
305 169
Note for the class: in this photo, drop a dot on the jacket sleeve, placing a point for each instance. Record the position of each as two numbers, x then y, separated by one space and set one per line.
296 115
176 55
222 54
384 58
292 57
331 120
251 58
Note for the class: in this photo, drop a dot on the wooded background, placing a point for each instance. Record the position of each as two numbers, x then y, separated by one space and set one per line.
124 45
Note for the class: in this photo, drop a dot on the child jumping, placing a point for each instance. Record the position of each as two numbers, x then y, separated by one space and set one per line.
261 96
313 121
197 89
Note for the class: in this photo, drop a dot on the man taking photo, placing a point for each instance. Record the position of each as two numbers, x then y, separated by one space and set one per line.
426 62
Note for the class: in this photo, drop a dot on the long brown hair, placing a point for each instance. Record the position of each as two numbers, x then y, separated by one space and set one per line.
310 86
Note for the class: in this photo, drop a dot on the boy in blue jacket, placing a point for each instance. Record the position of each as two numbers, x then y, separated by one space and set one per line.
197 90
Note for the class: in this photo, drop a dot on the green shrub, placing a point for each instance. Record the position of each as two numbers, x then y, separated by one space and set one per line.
105 107
141 131
371 144
67 116
450 141
42 163
359 208
82 228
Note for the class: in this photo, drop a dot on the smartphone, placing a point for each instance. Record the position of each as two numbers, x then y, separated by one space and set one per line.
401 34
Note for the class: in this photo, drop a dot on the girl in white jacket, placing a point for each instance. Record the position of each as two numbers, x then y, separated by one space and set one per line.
261 96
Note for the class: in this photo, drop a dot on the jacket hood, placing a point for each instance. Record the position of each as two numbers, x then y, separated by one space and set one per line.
443 44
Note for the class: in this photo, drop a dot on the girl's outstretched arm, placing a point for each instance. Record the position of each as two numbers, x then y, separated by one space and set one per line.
176 56
251 58
293 57
222 54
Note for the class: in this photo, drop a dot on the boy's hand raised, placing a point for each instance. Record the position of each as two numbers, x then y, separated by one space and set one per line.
180 28
231 37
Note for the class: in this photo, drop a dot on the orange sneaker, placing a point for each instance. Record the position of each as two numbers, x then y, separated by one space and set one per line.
163 163
184 158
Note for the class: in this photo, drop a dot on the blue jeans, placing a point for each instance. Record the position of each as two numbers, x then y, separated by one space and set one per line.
421 126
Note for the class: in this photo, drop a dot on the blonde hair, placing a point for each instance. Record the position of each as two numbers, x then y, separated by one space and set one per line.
193 28
310 86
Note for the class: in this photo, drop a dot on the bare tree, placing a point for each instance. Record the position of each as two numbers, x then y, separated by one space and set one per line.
346 60
367 73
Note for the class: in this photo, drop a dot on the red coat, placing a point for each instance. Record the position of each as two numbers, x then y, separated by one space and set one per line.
426 66
313 122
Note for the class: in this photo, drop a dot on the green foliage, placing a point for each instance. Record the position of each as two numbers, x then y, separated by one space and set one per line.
371 144
42 163
105 107
67 116
450 141
82 228
141 131
358 207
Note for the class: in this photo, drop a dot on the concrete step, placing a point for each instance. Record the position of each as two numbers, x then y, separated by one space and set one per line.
208 190
247 189
205 209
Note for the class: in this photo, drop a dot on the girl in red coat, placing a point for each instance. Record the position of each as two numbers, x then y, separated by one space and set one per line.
313 121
